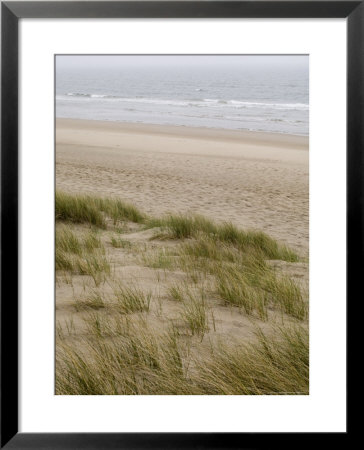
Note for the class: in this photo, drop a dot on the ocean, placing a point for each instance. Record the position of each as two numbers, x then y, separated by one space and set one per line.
259 93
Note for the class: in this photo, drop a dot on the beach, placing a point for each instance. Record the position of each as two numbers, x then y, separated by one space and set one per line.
255 180
182 224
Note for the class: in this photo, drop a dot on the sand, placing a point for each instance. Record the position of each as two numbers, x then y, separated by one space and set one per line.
256 180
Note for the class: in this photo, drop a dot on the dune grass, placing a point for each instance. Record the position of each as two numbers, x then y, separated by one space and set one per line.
137 360
234 289
193 226
93 300
91 241
123 351
258 290
131 299
244 278
64 261
117 242
67 241
177 292
161 259
95 265
78 209
194 312
81 255
236 258
85 265
256 240
94 210
286 293
205 246
274 365
182 226
120 211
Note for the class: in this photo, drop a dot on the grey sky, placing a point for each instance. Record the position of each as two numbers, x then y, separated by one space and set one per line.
113 61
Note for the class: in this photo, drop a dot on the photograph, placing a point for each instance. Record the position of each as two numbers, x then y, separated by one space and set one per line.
181 224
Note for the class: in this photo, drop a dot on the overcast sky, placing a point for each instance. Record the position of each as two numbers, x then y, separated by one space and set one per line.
114 61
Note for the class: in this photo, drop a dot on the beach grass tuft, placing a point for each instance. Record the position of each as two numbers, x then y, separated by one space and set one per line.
93 300
234 289
193 226
131 299
287 294
194 312
94 210
78 209
120 211
91 241
95 265
117 242
67 241
160 259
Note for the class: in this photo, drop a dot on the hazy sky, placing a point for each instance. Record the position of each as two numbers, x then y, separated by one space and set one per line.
113 61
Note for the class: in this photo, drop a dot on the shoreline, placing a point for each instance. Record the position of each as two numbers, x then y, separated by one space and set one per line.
249 137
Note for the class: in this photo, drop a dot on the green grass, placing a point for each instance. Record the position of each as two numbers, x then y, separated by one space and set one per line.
121 355
117 242
274 365
131 299
287 295
236 291
67 241
255 289
64 261
91 241
95 265
120 211
78 209
181 226
160 259
243 277
177 292
234 257
194 312
191 226
256 240
138 361
93 210
204 246
81 255
93 300
133 359
99 325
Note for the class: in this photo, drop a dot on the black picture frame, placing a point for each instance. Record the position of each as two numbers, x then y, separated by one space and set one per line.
11 12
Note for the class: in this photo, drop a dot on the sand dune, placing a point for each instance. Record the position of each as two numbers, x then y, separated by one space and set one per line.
256 180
